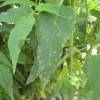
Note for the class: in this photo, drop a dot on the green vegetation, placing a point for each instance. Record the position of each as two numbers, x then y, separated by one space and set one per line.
49 49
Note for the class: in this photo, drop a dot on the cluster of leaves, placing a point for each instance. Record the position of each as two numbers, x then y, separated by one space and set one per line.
47 47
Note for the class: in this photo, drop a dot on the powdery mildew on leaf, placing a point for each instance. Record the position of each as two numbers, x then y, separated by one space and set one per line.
52 32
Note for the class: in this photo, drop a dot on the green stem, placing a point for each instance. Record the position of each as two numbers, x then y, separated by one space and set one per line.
86 5
36 2
39 1
67 55
71 53
73 3
71 42
89 53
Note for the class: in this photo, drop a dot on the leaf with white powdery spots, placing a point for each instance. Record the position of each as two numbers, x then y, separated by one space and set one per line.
18 35
52 32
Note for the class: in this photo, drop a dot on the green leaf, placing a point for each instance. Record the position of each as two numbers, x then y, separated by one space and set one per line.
11 14
34 72
68 89
64 87
52 32
33 41
19 77
47 7
92 71
85 92
58 86
16 86
6 80
55 2
18 35
95 13
1 97
5 27
22 2
97 37
4 60
22 58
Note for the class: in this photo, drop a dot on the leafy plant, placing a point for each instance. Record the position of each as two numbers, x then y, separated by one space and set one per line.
49 49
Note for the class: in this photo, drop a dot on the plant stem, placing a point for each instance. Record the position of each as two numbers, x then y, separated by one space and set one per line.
36 2
86 11
86 6
71 53
67 55
73 4
71 42
89 53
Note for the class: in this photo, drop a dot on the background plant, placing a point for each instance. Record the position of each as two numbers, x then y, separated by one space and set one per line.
49 49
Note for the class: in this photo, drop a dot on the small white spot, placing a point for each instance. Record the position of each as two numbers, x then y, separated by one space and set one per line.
54 52
83 55
43 37
15 6
77 38
42 68
94 51
0 24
